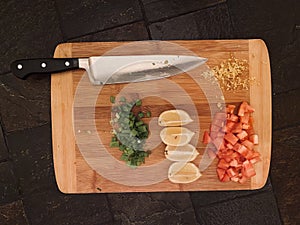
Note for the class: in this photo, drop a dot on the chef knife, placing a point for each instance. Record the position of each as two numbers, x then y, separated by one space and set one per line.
112 69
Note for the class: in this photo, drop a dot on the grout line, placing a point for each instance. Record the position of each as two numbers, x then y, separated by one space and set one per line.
59 20
105 29
284 92
286 127
145 19
256 192
189 12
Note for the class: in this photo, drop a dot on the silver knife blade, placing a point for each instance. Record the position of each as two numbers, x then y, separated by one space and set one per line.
137 68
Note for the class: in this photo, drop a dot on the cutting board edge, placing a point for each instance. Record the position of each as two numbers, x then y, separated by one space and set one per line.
258 53
66 181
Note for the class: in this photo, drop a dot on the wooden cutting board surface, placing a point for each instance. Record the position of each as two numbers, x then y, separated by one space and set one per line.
76 163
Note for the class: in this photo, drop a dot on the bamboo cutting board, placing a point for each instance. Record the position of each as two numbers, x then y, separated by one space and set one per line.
76 154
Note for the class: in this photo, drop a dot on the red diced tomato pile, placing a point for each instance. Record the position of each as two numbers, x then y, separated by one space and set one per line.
234 138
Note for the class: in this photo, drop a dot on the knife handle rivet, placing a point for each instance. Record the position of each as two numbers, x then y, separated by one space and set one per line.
43 65
67 63
19 66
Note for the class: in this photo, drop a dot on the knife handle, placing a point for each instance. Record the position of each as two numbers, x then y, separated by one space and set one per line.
23 67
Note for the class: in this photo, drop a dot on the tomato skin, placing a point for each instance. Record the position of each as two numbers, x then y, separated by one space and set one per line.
206 138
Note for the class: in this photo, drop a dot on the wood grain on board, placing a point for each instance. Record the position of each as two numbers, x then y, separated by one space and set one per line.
78 174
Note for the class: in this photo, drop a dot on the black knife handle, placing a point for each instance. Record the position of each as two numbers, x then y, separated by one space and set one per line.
23 67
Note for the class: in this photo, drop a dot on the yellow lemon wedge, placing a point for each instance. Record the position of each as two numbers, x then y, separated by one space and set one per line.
176 136
175 117
183 153
183 173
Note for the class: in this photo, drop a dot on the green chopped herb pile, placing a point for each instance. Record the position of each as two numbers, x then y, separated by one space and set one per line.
129 131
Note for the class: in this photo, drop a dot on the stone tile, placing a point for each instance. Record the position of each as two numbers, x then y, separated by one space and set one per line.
286 109
3 148
157 10
79 18
130 32
211 23
9 190
285 169
259 19
24 103
31 152
13 214
254 209
52 207
30 29
152 208
205 198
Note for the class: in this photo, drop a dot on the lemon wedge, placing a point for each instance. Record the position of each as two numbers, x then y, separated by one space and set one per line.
176 136
175 117
183 173
181 153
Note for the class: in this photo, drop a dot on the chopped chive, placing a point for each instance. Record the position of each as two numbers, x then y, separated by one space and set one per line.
138 102
114 144
148 114
122 99
112 99
140 114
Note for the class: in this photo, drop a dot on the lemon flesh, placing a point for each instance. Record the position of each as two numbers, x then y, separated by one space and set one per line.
175 117
181 153
183 173
176 136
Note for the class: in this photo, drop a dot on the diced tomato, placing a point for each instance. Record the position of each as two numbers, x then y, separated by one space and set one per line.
226 178
243 150
231 172
233 118
248 169
206 137
249 154
250 109
256 154
237 128
234 163
220 173
245 118
245 126
234 138
242 135
254 139
223 164
229 146
231 138
248 144
234 179
243 108
230 109
228 127
236 147
255 160
243 179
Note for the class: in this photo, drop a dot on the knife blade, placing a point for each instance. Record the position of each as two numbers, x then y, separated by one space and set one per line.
112 69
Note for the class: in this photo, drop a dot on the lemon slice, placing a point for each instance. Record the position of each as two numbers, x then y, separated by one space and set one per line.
183 173
181 153
176 136
176 117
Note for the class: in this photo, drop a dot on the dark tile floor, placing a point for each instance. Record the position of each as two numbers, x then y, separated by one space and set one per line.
29 194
